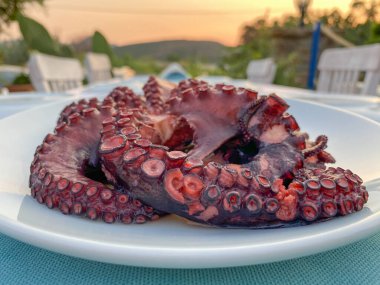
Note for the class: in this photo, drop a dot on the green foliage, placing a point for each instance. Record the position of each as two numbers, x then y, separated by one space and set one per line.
256 44
174 50
236 62
66 50
21 79
173 57
9 9
258 34
197 67
101 45
368 9
359 26
193 67
286 70
148 65
38 38
14 53
374 33
144 65
347 26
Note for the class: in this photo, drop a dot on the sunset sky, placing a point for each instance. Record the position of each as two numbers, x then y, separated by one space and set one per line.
127 21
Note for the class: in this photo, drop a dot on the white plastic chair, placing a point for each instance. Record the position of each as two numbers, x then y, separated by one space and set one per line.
54 74
261 70
98 67
340 70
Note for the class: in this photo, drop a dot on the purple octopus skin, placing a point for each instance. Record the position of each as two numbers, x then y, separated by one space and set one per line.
61 170
216 155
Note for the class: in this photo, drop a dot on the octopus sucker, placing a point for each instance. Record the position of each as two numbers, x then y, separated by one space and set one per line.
216 155
60 172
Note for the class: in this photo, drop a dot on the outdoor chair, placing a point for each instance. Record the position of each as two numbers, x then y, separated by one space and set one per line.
98 67
341 69
261 70
54 74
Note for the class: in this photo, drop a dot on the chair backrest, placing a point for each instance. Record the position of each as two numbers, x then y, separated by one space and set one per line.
98 67
54 74
340 70
261 70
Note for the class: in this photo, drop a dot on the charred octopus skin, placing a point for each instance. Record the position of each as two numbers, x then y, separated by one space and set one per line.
65 172
246 164
216 155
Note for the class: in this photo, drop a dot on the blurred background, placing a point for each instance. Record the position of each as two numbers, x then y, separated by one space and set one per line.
207 37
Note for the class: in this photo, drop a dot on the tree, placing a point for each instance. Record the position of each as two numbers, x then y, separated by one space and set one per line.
101 45
9 9
368 9
360 25
38 38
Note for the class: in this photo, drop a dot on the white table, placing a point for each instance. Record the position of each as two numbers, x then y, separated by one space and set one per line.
368 106
18 102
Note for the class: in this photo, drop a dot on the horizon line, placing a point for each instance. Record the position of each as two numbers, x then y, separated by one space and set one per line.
134 43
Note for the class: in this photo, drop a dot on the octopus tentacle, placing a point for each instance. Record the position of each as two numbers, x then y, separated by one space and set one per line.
244 120
156 92
64 165
320 144
269 190
233 195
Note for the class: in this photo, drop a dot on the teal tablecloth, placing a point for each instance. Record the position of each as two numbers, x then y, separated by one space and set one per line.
358 263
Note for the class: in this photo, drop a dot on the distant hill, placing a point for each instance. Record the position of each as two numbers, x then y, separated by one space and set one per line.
173 50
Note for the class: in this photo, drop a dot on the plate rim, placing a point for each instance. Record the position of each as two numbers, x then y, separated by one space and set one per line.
185 258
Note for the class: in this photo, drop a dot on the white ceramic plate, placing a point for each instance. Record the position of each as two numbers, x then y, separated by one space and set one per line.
171 242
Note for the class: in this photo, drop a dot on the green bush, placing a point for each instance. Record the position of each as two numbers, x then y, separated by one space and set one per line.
359 25
21 79
374 34
101 45
286 71
14 52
